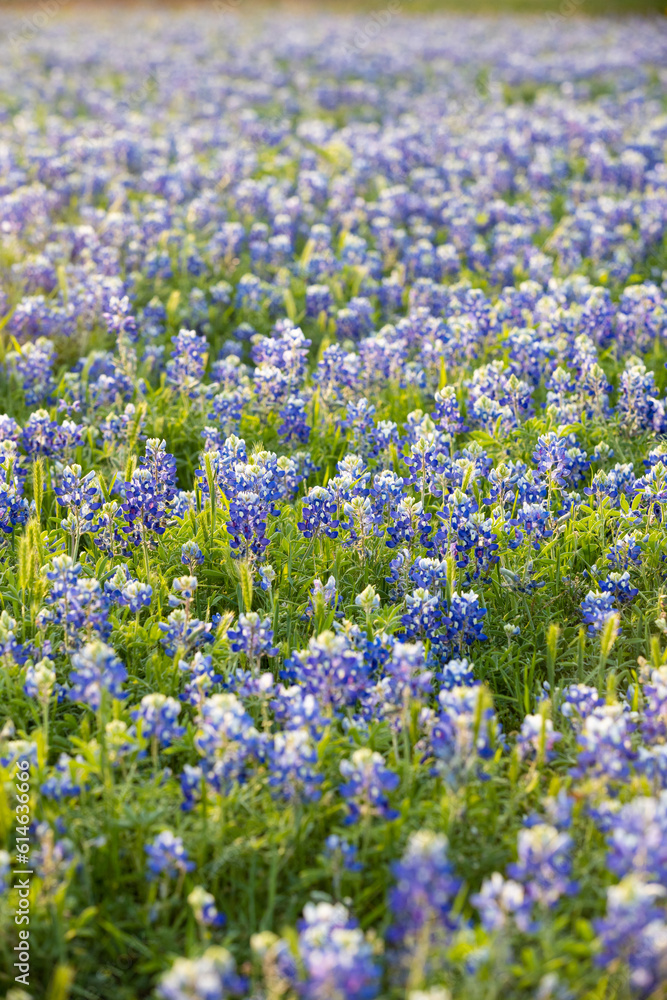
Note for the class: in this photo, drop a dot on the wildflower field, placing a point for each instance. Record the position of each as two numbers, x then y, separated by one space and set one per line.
332 494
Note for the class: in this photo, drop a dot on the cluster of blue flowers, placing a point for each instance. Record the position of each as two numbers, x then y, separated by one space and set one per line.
333 485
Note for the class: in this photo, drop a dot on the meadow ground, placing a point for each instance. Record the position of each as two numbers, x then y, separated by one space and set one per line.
334 472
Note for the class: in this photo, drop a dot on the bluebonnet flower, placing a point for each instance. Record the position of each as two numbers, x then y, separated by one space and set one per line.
252 636
464 620
294 708
226 738
14 510
183 592
40 679
10 648
456 673
618 585
654 716
544 863
213 976
157 715
362 523
500 900
267 577
202 677
578 701
366 786
341 854
605 743
14 751
537 737
113 587
652 488
406 668
637 397
153 318
293 763
634 930
136 595
531 521
407 522
336 373
430 573
447 413
247 525
551 458
149 494
41 434
96 670
337 959
322 597
167 856
33 367
637 840
185 370
360 426
423 615
465 729
331 670
204 908
368 600
191 555
120 320
319 299
294 420
67 779
77 603
77 491
227 407
183 632
597 609
422 900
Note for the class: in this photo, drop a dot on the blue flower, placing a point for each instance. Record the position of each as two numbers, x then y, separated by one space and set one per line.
167 856
337 959
96 670
422 900
366 786
157 714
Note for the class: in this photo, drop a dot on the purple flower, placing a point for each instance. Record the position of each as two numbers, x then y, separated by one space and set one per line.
252 636
634 930
294 420
501 899
157 714
421 902
185 370
293 766
204 908
96 670
544 863
341 854
213 976
537 738
318 514
337 959
167 856
191 555
597 609
331 670
366 786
